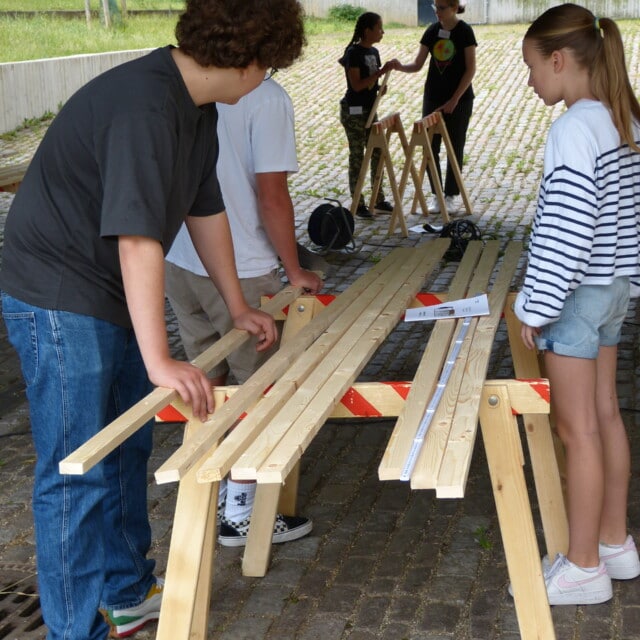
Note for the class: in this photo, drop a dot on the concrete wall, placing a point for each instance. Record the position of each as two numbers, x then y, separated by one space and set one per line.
505 11
30 89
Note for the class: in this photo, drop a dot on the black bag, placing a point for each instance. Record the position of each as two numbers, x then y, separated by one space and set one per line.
460 232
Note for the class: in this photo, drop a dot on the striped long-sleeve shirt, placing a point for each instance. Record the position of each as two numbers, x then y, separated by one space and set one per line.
587 224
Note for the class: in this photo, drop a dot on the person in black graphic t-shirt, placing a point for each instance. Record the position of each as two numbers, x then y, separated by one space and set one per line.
361 62
452 45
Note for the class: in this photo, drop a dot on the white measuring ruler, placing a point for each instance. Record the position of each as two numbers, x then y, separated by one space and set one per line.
425 423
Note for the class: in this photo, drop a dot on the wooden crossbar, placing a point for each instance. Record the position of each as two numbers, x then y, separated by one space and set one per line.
12 176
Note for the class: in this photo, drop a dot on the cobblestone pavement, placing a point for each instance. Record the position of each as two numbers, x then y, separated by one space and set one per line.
383 562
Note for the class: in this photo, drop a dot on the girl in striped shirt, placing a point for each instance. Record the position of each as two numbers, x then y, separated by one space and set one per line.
583 261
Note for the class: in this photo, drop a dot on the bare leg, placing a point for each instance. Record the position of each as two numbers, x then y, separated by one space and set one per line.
573 396
615 446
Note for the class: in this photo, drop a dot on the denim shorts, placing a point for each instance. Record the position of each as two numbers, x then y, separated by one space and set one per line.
591 318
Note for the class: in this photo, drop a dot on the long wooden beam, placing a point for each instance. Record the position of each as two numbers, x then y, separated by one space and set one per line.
429 461
96 448
454 471
192 451
249 432
314 401
428 371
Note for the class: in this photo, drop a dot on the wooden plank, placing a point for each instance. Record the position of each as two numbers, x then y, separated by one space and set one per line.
545 449
427 373
502 445
318 399
96 448
526 396
249 430
437 441
376 102
187 590
362 400
457 458
12 176
196 448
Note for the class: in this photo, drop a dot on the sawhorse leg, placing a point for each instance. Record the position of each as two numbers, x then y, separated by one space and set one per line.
185 609
542 448
504 457
258 550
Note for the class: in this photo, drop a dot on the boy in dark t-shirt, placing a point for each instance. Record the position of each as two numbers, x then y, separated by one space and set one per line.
125 162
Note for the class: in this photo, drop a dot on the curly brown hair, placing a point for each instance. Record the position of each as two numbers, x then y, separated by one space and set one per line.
235 33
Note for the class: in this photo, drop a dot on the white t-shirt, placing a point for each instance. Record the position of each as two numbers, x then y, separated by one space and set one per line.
256 135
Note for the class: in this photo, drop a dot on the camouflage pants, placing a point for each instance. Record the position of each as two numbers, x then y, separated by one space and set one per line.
357 136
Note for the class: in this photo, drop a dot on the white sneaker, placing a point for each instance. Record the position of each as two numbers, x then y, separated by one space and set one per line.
433 205
453 203
569 584
621 560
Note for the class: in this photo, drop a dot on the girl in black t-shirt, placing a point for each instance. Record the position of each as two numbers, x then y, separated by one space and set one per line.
361 62
452 45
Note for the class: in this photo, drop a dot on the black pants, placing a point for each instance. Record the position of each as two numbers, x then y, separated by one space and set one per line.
457 124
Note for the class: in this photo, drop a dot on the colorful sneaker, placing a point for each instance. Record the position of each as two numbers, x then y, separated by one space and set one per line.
621 560
125 622
569 584
286 528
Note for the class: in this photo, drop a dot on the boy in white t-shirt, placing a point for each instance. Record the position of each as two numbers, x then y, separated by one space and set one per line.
257 152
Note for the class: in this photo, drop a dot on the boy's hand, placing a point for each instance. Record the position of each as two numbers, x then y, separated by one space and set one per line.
259 324
191 383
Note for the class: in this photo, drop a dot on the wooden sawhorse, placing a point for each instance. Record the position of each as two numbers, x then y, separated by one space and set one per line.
379 139
422 135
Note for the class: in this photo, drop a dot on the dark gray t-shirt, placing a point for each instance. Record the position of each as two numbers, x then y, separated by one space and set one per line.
129 154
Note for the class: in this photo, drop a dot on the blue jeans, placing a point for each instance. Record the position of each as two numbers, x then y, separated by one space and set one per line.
92 530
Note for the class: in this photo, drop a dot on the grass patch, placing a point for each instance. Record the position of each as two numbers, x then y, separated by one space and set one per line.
45 36
77 5
48 36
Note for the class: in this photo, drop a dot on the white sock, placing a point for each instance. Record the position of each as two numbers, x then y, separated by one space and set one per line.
240 498
222 491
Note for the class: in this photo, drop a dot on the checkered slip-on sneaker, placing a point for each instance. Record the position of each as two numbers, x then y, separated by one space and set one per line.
286 528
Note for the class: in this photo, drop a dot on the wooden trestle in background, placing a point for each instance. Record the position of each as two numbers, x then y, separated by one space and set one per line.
380 138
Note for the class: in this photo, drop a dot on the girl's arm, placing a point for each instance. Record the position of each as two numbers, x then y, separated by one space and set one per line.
414 66
465 81
360 84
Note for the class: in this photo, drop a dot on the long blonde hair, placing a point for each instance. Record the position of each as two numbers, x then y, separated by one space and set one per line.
597 45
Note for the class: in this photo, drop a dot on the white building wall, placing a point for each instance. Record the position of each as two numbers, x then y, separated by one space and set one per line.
477 11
